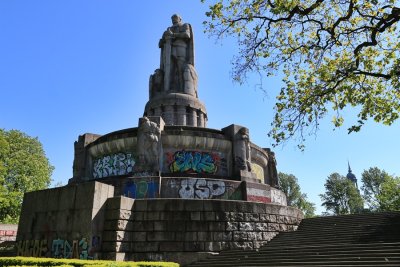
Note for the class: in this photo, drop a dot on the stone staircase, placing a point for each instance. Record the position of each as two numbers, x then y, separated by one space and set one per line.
347 240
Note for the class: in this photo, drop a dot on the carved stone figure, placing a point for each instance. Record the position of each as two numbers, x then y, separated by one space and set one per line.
176 50
243 150
190 78
272 171
148 145
156 82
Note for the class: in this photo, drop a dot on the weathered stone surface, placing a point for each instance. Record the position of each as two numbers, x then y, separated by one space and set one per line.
145 246
160 236
193 246
240 236
171 246
116 246
246 226
273 227
216 226
241 245
251 217
208 216
261 227
232 226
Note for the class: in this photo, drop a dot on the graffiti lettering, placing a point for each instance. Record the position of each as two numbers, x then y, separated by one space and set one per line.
59 248
111 165
193 162
62 249
201 188
141 188
32 248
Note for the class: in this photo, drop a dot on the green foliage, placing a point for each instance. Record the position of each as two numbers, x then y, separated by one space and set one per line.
23 167
389 196
372 180
290 186
341 196
333 54
28 261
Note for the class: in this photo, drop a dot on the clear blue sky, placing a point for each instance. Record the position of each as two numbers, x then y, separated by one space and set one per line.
72 67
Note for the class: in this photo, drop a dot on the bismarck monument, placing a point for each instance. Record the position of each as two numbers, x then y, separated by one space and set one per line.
169 189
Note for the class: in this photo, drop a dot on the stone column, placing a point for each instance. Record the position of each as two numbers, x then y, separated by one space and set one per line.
169 115
193 117
200 119
181 115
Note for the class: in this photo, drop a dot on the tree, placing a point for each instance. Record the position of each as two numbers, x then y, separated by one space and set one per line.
341 196
372 180
289 185
389 196
333 54
23 167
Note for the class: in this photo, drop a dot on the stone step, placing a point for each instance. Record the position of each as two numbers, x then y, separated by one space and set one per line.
315 252
351 240
289 246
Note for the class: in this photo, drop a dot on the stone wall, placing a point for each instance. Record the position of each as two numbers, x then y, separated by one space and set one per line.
184 230
63 222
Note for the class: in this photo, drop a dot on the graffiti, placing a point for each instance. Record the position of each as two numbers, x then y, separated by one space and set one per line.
193 162
141 188
63 249
32 248
60 248
193 188
112 165
201 188
258 170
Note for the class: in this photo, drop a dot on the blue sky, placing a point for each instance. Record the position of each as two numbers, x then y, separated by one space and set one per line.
74 67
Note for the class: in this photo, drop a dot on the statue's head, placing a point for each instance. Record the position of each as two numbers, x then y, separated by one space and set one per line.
176 19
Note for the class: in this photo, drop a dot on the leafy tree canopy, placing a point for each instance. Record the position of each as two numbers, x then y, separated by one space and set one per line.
290 186
389 196
341 196
333 54
23 167
372 180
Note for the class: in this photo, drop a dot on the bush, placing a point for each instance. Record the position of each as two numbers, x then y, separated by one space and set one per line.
29 261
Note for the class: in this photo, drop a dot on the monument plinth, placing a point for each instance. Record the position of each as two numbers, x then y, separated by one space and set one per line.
169 189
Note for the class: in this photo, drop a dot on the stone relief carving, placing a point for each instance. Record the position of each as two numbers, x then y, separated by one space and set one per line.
149 145
272 171
243 150
156 82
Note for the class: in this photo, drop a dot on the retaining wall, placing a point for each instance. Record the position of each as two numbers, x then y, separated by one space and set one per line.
185 230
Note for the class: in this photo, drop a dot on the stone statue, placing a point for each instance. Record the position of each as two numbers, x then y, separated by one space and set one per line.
156 82
243 150
177 49
149 135
272 171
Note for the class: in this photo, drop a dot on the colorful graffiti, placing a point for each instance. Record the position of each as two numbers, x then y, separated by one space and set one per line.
201 189
112 165
141 188
60 248
63 249
193 162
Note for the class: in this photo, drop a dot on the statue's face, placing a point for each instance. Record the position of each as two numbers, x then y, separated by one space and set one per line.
175 19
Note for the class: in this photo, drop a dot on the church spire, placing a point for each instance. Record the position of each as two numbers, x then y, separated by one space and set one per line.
351 176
